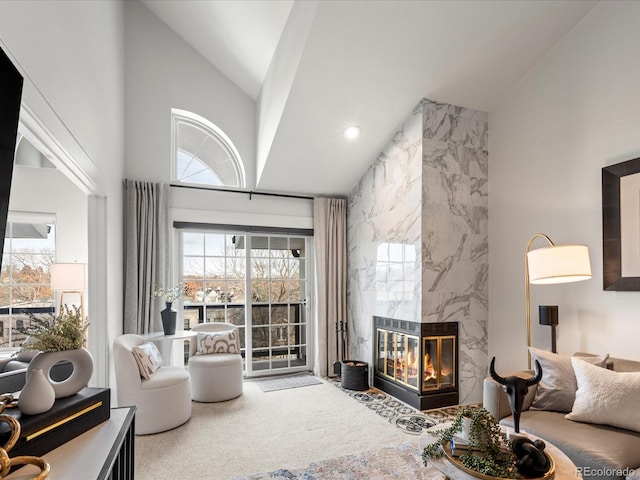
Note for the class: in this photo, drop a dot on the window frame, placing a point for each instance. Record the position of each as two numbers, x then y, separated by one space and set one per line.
183 116
303 321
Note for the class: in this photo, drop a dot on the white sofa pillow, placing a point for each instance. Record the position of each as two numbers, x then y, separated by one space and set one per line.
217 342
148 359
606 397
557 389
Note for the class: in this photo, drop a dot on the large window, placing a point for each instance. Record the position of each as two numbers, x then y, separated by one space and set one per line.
257 282
25 281
214 271
203 154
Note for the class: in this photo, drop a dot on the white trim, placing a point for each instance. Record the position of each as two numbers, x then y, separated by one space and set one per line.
18 140
38 135
98 307
16 216
174 146
311 304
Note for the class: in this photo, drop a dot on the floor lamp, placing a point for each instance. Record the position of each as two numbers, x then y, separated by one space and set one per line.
69 278
552 264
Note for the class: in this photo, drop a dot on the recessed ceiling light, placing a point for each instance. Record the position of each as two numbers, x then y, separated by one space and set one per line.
352 132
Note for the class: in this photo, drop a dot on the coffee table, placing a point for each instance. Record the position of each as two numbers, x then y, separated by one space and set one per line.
165 342
565 468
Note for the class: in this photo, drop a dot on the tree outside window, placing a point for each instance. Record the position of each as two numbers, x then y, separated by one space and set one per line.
25 280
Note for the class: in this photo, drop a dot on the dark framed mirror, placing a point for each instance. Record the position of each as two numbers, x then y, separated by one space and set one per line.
621 226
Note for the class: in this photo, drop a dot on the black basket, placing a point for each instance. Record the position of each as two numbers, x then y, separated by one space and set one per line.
355 375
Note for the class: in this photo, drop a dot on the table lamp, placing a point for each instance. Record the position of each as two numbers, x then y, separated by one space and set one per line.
69 278
552 264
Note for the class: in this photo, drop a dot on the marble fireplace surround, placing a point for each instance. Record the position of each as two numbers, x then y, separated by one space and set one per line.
417 235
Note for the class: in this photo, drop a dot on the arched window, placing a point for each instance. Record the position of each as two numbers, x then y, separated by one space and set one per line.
202 153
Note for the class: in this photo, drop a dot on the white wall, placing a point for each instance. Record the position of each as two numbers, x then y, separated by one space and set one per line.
574 113
71 53
163 72
277 84
235 208
72 56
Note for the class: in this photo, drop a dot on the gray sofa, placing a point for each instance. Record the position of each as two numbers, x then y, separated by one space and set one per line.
600 451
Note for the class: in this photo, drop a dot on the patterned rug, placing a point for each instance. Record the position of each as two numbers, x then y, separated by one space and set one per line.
403 416
287 381
386 463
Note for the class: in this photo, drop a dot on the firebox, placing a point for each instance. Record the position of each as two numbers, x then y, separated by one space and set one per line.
417 362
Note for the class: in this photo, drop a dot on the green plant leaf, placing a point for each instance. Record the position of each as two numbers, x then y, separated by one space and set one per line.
54 334
485 437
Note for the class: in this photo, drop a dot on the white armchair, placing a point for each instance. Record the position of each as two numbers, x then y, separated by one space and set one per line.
163 402
216 376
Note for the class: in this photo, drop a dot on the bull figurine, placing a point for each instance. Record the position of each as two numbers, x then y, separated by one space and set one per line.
516 389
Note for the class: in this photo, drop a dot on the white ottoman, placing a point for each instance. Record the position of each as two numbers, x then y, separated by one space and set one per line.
215 378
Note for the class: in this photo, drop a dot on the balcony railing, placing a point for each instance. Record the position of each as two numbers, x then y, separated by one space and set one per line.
235 314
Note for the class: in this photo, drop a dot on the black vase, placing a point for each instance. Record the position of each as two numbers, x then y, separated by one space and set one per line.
169 316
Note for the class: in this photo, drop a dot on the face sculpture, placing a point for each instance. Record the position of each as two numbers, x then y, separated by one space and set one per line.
516 389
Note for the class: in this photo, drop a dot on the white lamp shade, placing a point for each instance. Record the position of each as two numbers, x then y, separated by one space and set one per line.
68 277
559 264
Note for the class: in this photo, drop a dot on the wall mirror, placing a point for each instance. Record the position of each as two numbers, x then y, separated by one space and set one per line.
621 226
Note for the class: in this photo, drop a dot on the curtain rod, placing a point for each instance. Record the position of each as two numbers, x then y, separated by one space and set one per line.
250 192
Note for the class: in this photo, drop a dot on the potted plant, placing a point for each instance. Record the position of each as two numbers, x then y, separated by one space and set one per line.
170 295
56 333
486 444
59 338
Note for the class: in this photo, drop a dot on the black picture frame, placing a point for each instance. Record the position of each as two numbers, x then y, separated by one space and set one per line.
612 278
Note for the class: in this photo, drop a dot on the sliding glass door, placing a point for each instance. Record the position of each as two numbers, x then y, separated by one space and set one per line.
258 282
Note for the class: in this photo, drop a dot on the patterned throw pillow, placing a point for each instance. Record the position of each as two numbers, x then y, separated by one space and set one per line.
148 359
217 342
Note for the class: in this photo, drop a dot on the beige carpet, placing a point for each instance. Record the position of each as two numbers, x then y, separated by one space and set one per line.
264 431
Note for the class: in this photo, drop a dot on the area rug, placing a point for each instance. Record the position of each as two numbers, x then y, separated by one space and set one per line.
262 432
399 414
286 381
386 463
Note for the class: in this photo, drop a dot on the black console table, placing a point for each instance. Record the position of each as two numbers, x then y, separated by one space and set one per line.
106 452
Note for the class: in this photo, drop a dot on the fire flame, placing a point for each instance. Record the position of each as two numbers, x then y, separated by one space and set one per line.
429 372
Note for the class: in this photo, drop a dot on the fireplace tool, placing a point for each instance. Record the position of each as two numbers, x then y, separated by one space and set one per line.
341 331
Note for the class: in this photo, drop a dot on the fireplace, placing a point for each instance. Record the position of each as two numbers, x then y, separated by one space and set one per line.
417 362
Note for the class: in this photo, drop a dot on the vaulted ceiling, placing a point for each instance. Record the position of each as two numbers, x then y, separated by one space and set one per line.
315 67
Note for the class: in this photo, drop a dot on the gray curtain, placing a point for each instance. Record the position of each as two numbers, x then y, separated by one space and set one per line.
330 242
146 237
